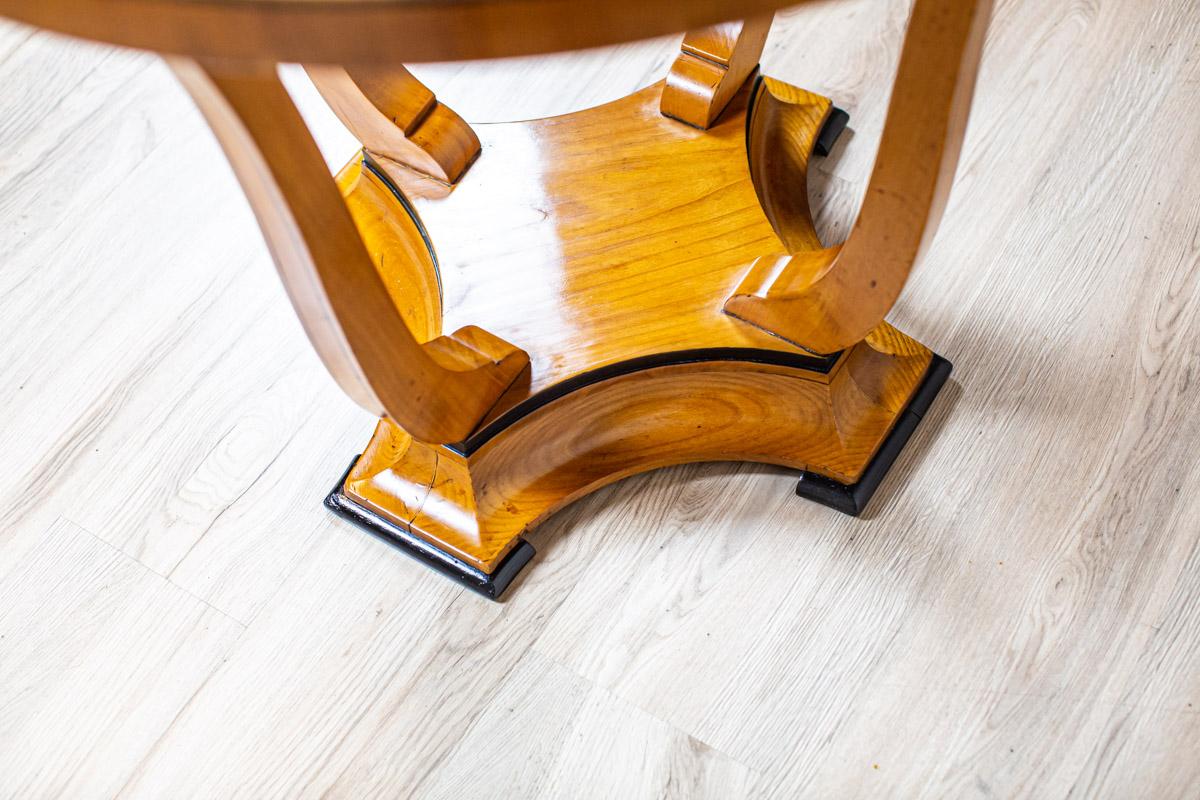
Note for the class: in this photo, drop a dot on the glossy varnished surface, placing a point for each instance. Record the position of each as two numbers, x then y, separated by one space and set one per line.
475 506
397 117
349 31
606 235
439 389
605 242
181 618
828 298
711 67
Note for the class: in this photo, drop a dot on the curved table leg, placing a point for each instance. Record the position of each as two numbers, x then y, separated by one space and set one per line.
825 299
438 391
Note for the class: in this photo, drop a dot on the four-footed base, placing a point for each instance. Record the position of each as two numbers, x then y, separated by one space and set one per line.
635 363
853 498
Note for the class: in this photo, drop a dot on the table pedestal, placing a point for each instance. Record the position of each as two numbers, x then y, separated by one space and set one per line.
607 243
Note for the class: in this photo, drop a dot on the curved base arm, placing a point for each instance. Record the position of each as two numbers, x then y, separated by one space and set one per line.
712 65
464 509
398 119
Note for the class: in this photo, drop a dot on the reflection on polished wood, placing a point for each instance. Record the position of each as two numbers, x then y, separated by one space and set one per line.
828 298
597 237
630 286
375 32
556 242
612 237
398 119
476 505
440 389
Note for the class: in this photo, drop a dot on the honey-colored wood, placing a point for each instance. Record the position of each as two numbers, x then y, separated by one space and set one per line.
477 506
398 120
568 280
713 64
784 123
585 267
396 248
438 391
828 298
1018 617
553 243
374 32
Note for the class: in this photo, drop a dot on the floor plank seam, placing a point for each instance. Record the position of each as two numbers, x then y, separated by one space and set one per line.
152 571
639 708
450 601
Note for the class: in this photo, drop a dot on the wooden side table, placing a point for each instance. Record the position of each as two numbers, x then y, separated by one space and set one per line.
626 287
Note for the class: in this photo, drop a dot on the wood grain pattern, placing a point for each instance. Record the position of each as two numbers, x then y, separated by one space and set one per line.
784 123
476 506
398 119
547 246
724 640
333 31
64 602
713 64
610 263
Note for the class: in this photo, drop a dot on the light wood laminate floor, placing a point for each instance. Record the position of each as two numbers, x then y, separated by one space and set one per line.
1018 616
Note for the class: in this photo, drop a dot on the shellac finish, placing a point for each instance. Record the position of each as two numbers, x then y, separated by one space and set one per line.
628 287
1016 615
627 374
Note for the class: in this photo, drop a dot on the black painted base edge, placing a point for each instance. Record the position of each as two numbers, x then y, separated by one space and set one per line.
852 498
830 131
490 585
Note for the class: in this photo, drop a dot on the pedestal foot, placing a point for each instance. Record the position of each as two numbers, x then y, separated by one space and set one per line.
853 498
490 585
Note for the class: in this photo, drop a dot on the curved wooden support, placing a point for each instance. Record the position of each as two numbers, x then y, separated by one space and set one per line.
437 391
398 119
783 125
713 64
474 503
397 248
827 299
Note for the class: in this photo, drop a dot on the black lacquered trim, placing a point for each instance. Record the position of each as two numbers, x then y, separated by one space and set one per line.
827 137
830 131
370 165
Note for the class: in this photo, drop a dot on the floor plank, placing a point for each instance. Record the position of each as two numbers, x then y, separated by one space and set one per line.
550 733
98 655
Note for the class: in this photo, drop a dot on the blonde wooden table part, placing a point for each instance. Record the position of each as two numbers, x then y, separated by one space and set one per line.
1017 614
537 309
